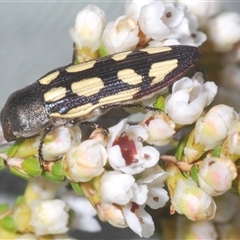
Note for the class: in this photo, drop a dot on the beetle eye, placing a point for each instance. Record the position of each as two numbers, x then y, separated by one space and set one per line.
6 127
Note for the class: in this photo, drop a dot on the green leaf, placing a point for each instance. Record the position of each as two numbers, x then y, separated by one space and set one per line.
20 200
1 163
160 103
32 167
3 207
8 224
57 171
56 174
180 148
13 149
194 172
216 151
77 188
102 51
19 173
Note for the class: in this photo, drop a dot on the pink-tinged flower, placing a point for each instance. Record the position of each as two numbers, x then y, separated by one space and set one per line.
188 99
138 220
223 30
216 175
84 161
186 197
126 151
111 213
212 129
83 217
154 178
192 201
49 216
159 127
231 146
59 141
200 230
120 188
88 28
121 35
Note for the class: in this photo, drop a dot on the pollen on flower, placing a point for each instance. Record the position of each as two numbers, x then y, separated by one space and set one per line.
127 147
168 14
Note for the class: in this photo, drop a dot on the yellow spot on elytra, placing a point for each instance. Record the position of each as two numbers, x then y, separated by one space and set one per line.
87 87
159 70
119 97
154 50
129 76
81 67
120 56
49 78
89 110
55 94
75 112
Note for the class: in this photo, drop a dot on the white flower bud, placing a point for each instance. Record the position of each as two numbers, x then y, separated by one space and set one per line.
88 28
84 161
223 30
121 35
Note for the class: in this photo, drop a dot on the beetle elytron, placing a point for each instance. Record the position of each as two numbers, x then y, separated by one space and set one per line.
80 92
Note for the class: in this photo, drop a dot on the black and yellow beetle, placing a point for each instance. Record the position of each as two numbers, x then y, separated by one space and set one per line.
76 93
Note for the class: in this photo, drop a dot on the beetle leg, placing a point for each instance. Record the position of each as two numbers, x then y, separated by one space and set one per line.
40 155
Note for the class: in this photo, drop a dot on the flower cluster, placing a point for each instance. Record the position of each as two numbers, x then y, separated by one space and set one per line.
145 23
124 169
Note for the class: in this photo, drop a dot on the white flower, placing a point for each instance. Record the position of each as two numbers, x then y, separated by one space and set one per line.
121 35
49 216
202 10
226 207
126 151
159 127
195 37
59 141
223 30
138 220
169 25
120 188
216 175
84 161
230 77
166 42
151 23
154 179
88 28
133 8
188 99
200 230
83 218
